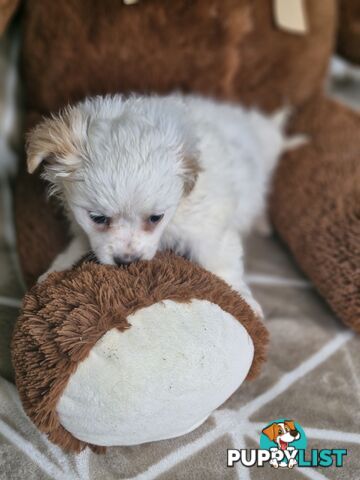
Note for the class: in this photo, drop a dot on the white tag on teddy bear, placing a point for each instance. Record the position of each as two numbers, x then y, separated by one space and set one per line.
290 15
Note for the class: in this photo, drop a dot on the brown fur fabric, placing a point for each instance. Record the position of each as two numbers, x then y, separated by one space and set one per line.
42 231
315 205
7 10
349 30
224 48
65 316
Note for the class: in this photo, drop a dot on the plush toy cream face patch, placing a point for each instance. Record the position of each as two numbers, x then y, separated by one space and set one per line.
126 355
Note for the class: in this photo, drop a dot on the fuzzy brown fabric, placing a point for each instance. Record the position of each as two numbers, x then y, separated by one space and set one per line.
63 317
42 231
349 30
7 10
225 48
315 205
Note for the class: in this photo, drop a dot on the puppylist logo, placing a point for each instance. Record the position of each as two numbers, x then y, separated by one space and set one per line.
283 445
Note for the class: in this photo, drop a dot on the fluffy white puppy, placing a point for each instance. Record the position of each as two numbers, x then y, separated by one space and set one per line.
147 173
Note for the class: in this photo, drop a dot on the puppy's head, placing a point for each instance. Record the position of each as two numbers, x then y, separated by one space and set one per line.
121 168
282 433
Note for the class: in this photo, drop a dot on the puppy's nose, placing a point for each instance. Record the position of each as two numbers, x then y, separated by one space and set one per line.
293 433
125 259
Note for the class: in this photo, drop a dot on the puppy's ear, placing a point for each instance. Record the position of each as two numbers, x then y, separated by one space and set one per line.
190 172
271 431
57 141
290 424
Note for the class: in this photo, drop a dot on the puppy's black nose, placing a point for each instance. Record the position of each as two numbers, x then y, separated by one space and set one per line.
125 260
293 433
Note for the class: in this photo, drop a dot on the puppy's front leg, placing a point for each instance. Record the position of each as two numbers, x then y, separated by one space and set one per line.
76 249
224 258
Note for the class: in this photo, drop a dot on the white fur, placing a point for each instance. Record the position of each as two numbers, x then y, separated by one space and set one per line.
127 163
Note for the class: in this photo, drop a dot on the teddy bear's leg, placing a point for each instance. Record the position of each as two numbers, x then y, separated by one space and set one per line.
314 205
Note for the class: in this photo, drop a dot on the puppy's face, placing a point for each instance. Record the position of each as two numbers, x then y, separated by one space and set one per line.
125 213
282 433
121 171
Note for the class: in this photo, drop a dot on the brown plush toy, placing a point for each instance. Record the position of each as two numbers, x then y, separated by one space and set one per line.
245 51
241 51
349 30
120 356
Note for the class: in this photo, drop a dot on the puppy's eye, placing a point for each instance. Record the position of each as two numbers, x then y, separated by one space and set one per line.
99 219
155 218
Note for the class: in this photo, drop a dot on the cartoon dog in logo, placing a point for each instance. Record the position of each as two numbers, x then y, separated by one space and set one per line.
282 433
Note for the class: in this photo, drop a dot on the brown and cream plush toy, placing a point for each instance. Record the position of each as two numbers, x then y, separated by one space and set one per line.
258 53
121 356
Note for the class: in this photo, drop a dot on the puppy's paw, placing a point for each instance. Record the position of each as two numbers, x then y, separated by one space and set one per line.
263 226
244 291
253 304
296 141
43 277
282 116
274 463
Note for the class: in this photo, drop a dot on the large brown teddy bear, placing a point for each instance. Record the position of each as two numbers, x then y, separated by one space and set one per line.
349 30
245 51
230 49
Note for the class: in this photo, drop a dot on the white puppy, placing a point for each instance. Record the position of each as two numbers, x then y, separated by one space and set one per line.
147 173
